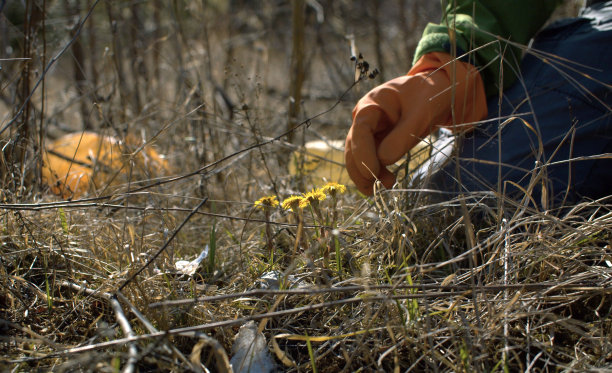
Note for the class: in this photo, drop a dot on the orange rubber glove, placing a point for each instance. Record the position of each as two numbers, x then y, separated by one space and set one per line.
393 117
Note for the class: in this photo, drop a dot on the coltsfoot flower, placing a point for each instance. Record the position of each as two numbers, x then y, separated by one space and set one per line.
312 198
292 203
333 188
266 202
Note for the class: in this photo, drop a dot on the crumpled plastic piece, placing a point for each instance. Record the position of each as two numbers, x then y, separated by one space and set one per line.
271 280
189 268
250 350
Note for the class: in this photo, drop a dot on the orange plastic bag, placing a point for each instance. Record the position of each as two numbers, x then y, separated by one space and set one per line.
84 162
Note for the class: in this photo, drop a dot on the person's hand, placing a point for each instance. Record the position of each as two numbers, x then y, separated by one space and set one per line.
395 116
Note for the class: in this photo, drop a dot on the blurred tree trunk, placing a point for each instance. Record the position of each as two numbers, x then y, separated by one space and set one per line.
23 124
15 164
297 65
378 40
73 10
157 36
409 28
93 58
39 145
115 20
176 41
137 50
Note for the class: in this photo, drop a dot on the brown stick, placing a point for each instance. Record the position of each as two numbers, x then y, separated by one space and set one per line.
297 66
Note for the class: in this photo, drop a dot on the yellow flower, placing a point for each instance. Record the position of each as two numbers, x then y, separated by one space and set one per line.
266 202
333 188
293 203
304 203
312 198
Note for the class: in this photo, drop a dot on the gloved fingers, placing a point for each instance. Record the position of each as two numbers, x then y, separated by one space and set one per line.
425 104
399 142
386 177
363 183
362 143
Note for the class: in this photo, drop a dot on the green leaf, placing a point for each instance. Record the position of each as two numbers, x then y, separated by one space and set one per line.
213 248
63 220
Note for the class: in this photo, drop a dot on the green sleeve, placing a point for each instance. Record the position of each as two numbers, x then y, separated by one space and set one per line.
479 22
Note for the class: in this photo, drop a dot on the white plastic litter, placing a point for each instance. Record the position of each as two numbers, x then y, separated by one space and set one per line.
271 281
189 268
250 350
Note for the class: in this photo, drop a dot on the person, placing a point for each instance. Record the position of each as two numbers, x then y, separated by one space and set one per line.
537 125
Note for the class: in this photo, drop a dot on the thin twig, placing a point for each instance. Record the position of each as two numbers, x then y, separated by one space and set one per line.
188 331
33 334
127 330
108 296
164 246
149 326
442 290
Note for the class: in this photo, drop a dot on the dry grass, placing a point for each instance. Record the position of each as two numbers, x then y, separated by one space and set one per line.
392 283
534 290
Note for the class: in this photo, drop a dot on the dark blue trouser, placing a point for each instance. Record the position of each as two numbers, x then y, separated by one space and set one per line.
566 98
